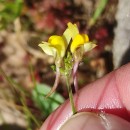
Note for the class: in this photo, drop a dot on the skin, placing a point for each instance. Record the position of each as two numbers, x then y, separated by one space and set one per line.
103 104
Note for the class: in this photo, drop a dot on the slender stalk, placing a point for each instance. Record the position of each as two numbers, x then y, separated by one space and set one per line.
32 74
101 6
70 95
75 68
28 112
57 79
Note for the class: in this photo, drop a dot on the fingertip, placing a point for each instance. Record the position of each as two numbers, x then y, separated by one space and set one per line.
83 121
93 121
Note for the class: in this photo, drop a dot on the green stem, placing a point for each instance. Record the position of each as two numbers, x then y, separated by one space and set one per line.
70 95
97 13
28 112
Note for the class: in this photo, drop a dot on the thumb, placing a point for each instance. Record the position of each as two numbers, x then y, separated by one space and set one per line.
92 121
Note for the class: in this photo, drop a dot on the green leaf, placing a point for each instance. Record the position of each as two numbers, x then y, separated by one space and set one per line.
47 105
98 11
10 11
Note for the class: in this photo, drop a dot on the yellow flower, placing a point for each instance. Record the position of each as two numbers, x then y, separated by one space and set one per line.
79 45
59 44
79 40
56 47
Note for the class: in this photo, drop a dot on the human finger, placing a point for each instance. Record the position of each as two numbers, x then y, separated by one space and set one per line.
109 94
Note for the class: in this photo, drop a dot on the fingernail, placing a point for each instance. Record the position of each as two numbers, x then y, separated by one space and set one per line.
93 121
84 121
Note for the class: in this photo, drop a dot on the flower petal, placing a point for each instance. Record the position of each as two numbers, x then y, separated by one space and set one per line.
59 44
89 46
73 29
67 36
47 49
85 37
79 40
70 32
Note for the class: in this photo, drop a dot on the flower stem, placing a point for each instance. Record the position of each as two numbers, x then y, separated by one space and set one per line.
75 68
57 79
70 95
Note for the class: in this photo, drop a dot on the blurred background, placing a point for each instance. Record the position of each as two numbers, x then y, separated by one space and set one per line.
26 75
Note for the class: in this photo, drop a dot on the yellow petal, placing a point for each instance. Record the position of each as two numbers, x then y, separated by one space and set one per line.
70 32
47 49
85 37
89 46
67 36
59 43
73 29
78 40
